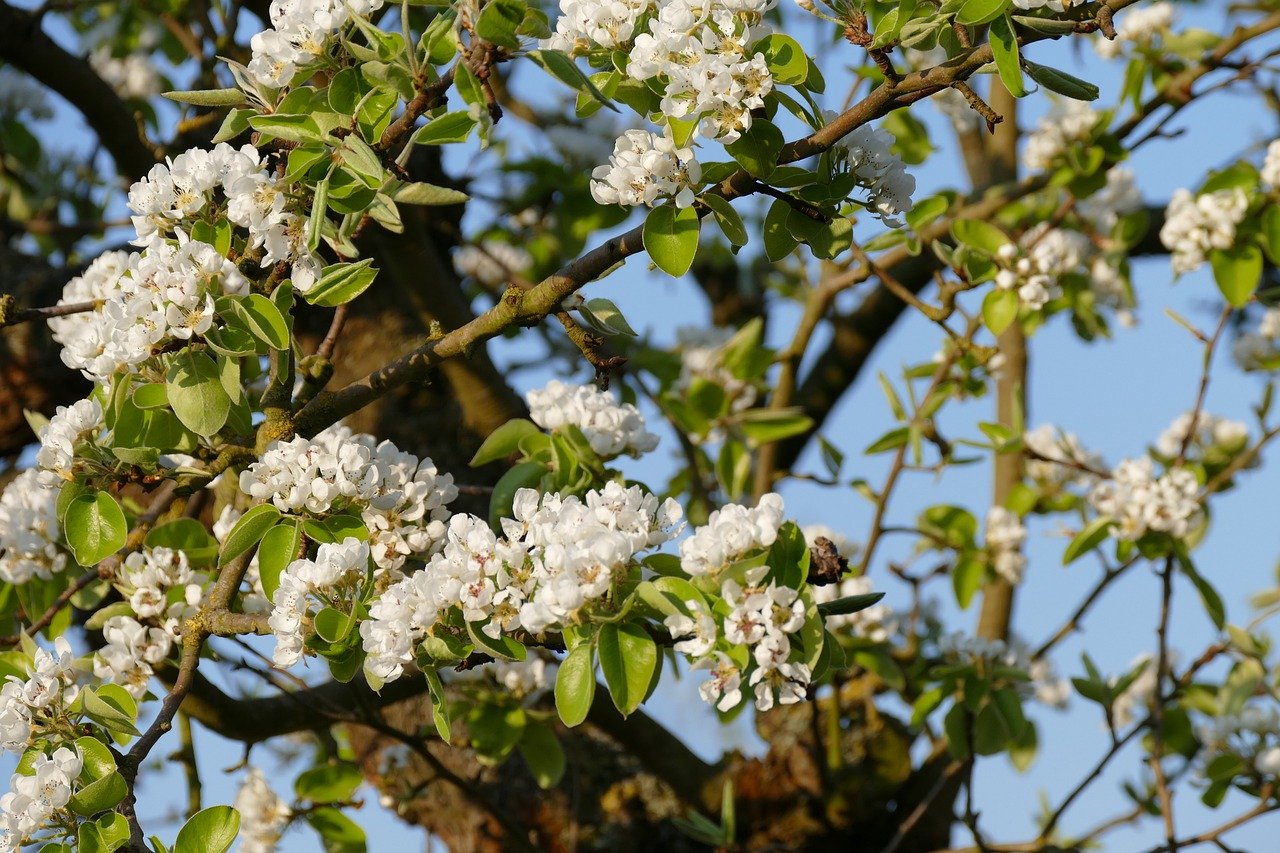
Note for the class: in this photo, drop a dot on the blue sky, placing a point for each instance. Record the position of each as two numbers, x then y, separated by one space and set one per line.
1117 395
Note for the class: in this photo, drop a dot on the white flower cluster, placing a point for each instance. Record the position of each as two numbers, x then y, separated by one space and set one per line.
401 499
557 555
29 532
1034 266
263 815
1140 501
522 679
28 705
299 36
1260 350
611 428
1063 458
702 353
69 426
867 152
584 25
730 533
255 200
1067 123
492 263
1206 431
1118 196
700 53
1140 26
132 651
761 617
34 799
163 591
1271 166
1253 734
1195 225
336 574
646 168
1051 5
1045 685
1005 537
697 53
132 76
165 293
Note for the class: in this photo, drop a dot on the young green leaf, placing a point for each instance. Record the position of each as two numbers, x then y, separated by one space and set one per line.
210 830
1004 47
628 656
95 527
576 685
195 392
671 238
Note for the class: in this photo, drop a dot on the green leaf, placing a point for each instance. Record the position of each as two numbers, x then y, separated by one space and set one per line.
495 730
1237 271
151 396
101 795
108 715
787 60
427 194
727 218
1000 309
340 283
628 656
263 319
332 625
499 21
94 527
196 393
328 783
210 830
849 604
671 238
1093 535
765 426
757 150
1004 47
980 11
778 239
502 648
1061 82
604 317
236 123
208 97
294 128
248 531
340 833
966 579
979 235
279 547
543 754
449 127
575 685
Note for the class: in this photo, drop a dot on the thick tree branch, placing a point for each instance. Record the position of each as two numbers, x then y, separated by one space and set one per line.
24 44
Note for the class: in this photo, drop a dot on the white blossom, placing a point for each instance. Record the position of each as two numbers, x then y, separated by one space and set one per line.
611 428
69 426
1067 123
730 533
1139 501
1195 225
263 815
867 153
29 532
1005 536
646 169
